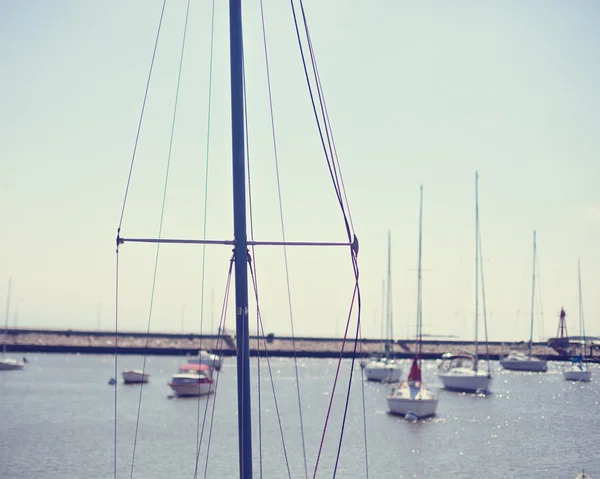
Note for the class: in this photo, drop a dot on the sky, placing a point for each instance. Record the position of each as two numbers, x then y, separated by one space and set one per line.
417 93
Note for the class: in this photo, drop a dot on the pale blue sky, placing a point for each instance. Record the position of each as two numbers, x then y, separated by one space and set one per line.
418 92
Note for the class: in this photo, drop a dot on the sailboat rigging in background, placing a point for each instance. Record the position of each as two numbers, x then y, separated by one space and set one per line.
243 259
411 398
517 360
579 371
386 368
460 372
6 363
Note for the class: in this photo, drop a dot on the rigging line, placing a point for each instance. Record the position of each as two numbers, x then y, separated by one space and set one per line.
253 255
485 323
255 289
364 409
332 395
222 321
259 393
541 331
162 214
139 128
312 99
116 359
283 237
357 297
326 121
204 222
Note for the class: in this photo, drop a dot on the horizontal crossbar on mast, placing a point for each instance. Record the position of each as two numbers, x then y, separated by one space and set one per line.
230 242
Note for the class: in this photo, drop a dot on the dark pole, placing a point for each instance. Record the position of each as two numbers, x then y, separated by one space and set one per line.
241 246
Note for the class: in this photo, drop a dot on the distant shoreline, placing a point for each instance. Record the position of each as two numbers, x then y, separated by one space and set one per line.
177 344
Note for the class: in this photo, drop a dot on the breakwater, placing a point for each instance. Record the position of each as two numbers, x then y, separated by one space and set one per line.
104 342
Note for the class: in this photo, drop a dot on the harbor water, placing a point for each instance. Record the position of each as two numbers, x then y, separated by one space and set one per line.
58 421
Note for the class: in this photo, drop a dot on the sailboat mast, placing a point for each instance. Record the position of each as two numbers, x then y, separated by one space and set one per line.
581 323
6 319
476 359
419 280
389 329
383 315
532 300
240 235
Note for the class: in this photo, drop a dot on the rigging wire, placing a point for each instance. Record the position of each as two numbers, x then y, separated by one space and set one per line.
485 323
162 213
320 127
222 322
116 371
541 332
259 324
139 128
259 321
133 156
204 221
283 236
324 132
331 143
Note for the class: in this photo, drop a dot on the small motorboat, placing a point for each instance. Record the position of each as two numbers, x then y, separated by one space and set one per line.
135 376
192 380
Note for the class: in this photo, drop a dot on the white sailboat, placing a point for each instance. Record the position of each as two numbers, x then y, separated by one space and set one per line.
8 364
461 372
386 368
517 360
411 398
579 371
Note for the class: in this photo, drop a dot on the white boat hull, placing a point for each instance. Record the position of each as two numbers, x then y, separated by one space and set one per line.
578 374
466 380
416 401
135 377
382 371
533 365
8 364
185 384
191 389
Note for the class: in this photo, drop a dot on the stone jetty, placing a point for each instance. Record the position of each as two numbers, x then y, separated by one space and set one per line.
103 342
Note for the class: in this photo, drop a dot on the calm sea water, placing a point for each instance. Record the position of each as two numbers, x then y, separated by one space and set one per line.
58 422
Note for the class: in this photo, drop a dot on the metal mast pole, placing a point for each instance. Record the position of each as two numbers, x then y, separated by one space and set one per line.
241 241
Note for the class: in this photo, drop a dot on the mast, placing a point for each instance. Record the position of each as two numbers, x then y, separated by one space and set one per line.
476 359
581 323
532 300
419 281
383 315
389 330
240 235
6 319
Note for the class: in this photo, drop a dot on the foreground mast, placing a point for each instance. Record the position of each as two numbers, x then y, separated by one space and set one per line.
241 245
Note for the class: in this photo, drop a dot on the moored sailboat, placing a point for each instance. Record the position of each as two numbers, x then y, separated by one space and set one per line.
579 371
411 398
461 372
386 368
6 363
517 360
